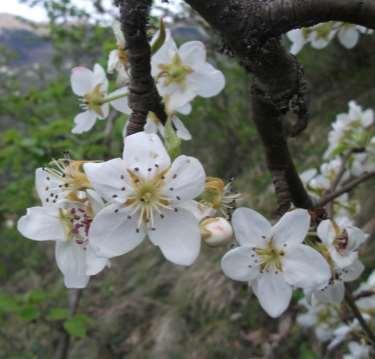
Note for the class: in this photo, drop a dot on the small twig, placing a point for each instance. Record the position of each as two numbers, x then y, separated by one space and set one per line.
347 188
353 306
62 350
364 294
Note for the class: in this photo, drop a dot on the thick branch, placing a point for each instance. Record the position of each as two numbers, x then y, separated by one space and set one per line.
143 95
281 16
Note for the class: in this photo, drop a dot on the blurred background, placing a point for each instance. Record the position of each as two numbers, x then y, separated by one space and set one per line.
145 307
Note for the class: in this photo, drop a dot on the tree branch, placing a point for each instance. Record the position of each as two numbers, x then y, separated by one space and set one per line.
143 95
353 307
347 188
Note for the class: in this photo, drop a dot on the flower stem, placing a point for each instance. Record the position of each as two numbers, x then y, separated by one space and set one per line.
113 98
356 312
62 350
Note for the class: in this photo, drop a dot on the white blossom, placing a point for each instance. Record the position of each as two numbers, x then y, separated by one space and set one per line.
184 73
118 58
321 317
342 242
273 260
358 351
216 231
67 223
146 195
92 87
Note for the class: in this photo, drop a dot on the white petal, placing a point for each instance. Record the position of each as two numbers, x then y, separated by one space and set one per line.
185 180
352 272
104 112
94 263
164 55
273 293
239 264
326 232
47 186
198 210
184 110
113 60
81 80
178 96
144 151
193 53
41 224
100 78
250 227
178 236
96 202
356 237
71 260
348 36
150 126
109 179
298 40
113 233
121 104
292 227
304 267
333 293
181 131
84 122
120 39
206 81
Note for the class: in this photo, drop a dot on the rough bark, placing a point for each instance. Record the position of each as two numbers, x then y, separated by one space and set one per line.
143 95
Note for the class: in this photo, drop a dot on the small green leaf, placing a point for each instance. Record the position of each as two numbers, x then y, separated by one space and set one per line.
172 141
77 326
28 313
158 43
58 314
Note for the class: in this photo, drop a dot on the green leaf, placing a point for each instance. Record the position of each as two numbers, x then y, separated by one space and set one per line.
77 326
160 39
58 314
8 303
29 313
172 141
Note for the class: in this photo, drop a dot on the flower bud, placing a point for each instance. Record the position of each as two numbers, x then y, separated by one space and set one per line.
216 231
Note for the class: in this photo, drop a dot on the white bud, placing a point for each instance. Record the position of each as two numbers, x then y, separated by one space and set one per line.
216 231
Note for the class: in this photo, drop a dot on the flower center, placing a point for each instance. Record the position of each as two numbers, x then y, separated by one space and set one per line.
94 100
65 177
270 258
175 72
147 199
76 222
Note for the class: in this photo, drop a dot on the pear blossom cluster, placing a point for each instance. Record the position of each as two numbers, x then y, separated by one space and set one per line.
326 321
97 210
319 36
180 73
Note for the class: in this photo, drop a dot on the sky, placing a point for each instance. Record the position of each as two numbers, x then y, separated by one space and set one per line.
37 13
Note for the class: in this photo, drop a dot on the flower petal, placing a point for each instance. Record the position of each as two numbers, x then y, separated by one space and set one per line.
121 104
326 232
178 237
332 293
113 60
84 122
181 131
292 227
193 53
48 186
81 80
145 151
109 179
206 80
94 263
71 260
273 293
100 78
113 233
250 227
238 264
304 267
352 272
185 180
348 36
41 224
